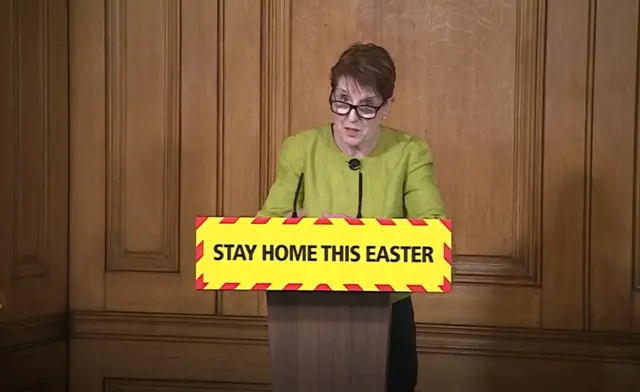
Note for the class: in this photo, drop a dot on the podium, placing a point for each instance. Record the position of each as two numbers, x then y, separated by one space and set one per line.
328 285
328 341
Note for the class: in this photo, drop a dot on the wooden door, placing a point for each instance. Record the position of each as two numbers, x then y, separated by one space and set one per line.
179 108
34 137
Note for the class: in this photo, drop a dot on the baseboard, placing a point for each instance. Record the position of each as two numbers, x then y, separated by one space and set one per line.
443 339
32 332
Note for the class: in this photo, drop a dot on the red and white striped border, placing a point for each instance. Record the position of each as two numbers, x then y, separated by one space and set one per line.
413 288
445 287
325 221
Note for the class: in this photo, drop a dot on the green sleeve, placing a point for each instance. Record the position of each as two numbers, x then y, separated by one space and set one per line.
281 194
421 195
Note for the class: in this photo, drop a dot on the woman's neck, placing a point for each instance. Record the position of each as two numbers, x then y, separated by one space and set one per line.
361 150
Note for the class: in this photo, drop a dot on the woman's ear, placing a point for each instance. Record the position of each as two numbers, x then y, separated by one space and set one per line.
387 106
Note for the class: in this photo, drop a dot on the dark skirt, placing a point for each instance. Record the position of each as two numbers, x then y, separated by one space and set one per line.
402 368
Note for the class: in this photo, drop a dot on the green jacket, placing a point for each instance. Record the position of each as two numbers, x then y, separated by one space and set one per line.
398 179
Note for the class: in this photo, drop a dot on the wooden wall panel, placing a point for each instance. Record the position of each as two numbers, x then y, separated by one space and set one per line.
34 183
87 193
568 75
276 96
242 130
143 135
451 91
612 161
33 174
131 122
273 35
200 136
142 131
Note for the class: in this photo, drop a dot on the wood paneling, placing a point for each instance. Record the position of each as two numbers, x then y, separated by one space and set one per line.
433 93
241 125
276 100
613 138
34 185
233 350
139 150
179 108
568 75
34 151
35 368
143 135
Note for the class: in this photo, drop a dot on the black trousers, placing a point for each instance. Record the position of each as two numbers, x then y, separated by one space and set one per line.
402 365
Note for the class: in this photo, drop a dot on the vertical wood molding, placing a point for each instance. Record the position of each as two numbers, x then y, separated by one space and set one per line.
219 296
220 111
588 161
199 140
524 267
166 256
34 160
87 110
612 165
275 91
635 234
31 138
240 22
636 177
529 136
276 86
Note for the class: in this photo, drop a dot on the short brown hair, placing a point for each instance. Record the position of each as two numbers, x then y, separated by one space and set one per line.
368 65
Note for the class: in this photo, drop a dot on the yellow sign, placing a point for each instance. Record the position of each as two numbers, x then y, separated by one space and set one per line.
310 254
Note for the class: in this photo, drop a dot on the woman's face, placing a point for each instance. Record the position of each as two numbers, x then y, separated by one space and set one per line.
351 128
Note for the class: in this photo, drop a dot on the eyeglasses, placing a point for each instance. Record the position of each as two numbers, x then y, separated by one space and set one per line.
342 108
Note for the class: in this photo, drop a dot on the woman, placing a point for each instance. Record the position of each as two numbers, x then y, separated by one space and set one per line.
357 167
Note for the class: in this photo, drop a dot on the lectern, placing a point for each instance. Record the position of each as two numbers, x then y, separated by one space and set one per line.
328 284
328 341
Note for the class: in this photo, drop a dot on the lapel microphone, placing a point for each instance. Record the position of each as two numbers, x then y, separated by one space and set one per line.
355 164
